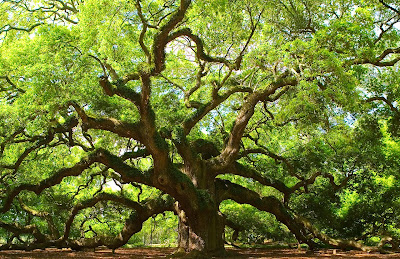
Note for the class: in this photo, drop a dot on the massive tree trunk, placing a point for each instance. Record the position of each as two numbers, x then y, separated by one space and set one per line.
203 233
200 228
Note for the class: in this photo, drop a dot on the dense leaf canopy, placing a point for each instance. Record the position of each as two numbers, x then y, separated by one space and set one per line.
113 112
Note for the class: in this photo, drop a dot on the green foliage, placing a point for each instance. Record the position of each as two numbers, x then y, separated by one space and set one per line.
256 227
160 230
340 119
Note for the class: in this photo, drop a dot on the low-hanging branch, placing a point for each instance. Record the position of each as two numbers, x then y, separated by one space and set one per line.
54 233
145 208
133 224
269 204
141 212
127 173
42 141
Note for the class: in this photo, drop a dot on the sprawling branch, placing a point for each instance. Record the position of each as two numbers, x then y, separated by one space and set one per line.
229 154
241 170
338 243
265 151
10 139
391 106
18 230
201 55
121 128
55 10
378 61
118 86
142 212
390 7
8 27
269 204
42 214
43 141
204 109
12 84
299 226
162 38
306 182
53 180
127 173
133 224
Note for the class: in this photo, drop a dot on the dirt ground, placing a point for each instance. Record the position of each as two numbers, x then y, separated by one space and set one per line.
163 252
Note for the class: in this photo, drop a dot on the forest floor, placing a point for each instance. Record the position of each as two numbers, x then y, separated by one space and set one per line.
164 252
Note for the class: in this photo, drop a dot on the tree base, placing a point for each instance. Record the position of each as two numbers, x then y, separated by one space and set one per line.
181 253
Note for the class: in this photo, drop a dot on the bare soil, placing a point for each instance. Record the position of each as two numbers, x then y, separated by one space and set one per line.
164 252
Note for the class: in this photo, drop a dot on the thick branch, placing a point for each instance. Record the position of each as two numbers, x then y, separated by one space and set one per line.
53 180
390 7
240 194
44 140
239 169
201 55
8 27
338 243
121 128
378 61
42 214
13 85
144 30
127 173
161 39
132 225
392 108
231 150
204 109
17 230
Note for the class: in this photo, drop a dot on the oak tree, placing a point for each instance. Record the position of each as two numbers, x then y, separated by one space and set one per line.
256 102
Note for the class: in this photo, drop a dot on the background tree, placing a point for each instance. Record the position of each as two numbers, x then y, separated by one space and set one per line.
115 111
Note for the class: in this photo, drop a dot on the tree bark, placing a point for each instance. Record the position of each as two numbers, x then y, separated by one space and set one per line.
203 233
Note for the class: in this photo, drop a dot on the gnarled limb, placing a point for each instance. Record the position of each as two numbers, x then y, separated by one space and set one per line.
229 154
378 61
241 170
42 214
338 243
299 226
144 210
127 173
240 194
385 100
53 180
133 224
204 109
18 230
121 128
162 38
201 55
43 141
